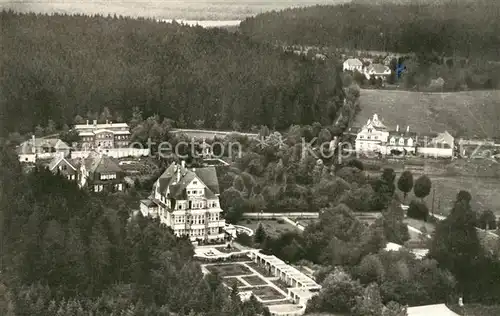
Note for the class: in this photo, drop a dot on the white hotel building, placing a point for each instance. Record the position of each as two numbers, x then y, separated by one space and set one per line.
187 200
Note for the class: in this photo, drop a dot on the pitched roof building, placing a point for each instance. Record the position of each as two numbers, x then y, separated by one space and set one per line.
377 71
108 135
69 168
436 309
101 173
187 200
41 148
352 64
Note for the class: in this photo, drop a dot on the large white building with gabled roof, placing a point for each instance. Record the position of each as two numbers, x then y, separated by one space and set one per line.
187 200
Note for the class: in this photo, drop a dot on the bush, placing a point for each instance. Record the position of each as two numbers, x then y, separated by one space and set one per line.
355 163
487 219
418 210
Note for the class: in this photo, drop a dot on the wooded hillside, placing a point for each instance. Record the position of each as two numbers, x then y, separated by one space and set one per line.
57 67
459 27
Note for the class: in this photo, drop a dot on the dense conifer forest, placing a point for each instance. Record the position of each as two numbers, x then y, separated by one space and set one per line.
464 28
57 67
456 41
65 252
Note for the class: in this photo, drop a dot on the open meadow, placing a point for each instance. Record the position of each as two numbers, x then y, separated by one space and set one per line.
469 114
485 193
166 9
272 227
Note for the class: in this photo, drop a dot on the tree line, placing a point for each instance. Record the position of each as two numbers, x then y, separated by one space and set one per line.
59 66
65 252
452 40
356 274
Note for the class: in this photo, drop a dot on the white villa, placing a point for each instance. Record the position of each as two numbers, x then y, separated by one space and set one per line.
375 137
352 64
187 200
372 136
377 71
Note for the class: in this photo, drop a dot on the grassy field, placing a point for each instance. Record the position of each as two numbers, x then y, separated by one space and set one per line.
471 113
229 281
267 293
166 9
485 193
477 310
272 227
229 270
254 280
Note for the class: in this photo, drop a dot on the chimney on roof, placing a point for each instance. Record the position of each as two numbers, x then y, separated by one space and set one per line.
178 174
107 121
95 122
397 128
33 149
183 164
87 122
111 123
408 128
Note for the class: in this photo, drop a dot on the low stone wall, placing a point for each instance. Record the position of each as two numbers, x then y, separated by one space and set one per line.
113 152
296 224
308 215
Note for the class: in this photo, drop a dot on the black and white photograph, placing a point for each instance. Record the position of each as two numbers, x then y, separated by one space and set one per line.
249 158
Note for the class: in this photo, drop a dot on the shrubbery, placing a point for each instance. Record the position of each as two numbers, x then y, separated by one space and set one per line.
418 210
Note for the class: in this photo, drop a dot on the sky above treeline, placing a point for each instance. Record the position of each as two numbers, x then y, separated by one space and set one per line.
163 9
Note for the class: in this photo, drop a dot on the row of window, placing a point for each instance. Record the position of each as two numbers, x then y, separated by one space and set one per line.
196 219
103 136
195 192
197 232
196 205
110 176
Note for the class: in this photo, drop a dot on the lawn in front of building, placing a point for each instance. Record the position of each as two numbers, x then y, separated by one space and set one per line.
273 228
231 281
225 249
227 270
267 293
254 280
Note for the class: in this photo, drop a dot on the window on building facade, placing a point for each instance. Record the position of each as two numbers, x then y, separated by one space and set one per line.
108 176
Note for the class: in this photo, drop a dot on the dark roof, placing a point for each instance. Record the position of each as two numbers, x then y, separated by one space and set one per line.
402 134
102 164
149 203
57 160
207 175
